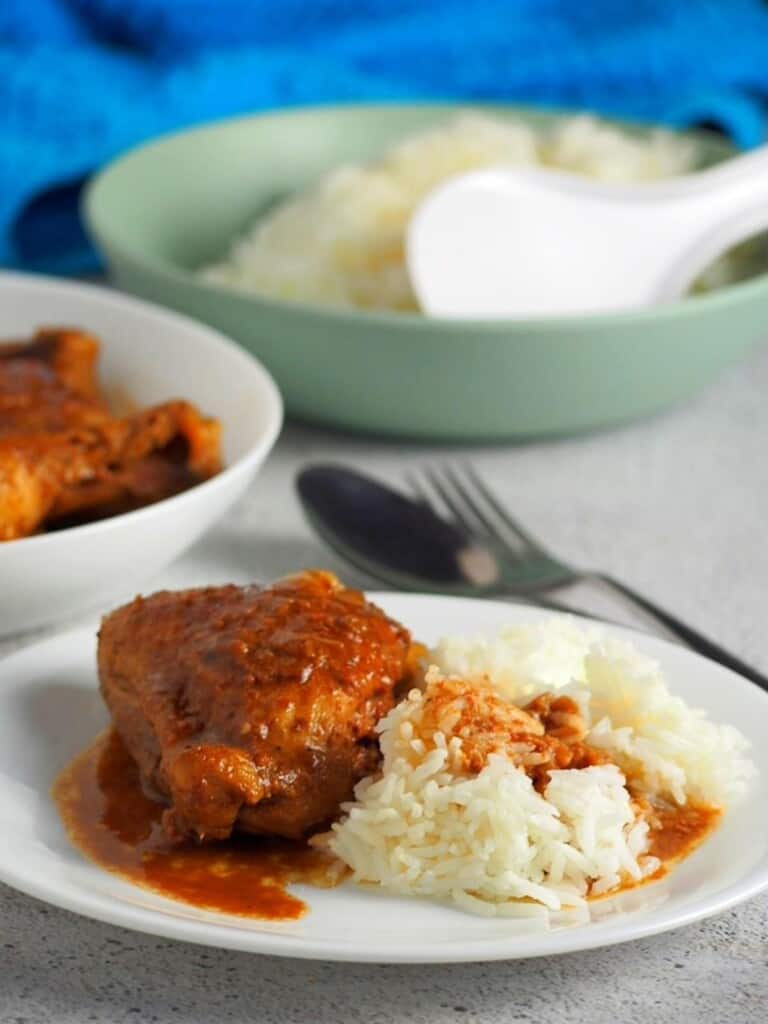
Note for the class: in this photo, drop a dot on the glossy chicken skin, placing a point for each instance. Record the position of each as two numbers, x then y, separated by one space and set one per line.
252 708
50 383
63 455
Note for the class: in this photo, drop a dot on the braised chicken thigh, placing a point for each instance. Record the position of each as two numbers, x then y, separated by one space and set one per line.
252 708
65 458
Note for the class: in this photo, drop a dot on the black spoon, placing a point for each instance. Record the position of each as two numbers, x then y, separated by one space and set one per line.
406 544
398 540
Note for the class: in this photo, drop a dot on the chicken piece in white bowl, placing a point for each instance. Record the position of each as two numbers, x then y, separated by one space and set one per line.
148 357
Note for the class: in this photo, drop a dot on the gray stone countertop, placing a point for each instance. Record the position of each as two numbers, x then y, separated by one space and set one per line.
676 506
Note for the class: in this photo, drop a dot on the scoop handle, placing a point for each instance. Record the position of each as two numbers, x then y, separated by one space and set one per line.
747 170
724 205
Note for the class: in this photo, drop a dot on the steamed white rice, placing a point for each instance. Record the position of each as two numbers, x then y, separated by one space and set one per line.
341 242
429 824
632 713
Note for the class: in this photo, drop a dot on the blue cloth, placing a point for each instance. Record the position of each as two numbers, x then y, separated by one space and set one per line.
81 80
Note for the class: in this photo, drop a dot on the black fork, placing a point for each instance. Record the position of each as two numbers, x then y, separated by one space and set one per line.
526 568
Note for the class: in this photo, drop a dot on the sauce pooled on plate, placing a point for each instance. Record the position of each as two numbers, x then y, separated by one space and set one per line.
115 824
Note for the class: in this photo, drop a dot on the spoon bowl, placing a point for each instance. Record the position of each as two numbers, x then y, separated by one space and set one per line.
382 532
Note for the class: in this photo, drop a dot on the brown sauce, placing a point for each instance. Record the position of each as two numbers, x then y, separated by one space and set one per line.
111 820
677 831
115 824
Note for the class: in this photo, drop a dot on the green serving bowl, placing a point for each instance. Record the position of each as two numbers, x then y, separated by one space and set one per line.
167 208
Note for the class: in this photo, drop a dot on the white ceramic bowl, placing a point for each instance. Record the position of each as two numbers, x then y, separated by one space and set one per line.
149 355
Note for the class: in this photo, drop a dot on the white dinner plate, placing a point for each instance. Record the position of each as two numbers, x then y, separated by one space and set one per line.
50 709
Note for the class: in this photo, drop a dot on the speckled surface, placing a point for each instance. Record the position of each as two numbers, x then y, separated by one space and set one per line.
676 506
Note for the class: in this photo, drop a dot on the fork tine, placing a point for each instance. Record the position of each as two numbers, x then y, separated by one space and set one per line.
492 501
449 499
486 523
414 484
489 527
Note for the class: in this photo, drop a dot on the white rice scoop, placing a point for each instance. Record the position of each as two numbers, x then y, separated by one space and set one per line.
506 243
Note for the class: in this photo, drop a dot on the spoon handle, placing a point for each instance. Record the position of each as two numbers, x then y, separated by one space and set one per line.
714 210
691 637
748 169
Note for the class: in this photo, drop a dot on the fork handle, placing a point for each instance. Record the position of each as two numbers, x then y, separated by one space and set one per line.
695 640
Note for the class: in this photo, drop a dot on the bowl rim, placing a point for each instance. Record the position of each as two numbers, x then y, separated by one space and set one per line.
691 305
207 336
